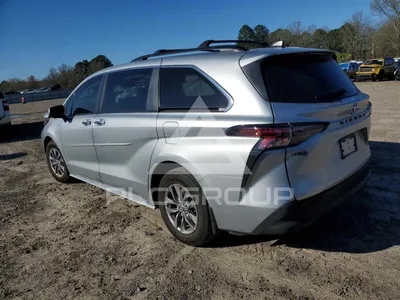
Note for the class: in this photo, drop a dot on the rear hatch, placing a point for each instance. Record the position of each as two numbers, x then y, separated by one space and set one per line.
307 89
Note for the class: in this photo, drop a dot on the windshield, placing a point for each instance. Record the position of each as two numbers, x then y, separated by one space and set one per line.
374 62
344 65
305 78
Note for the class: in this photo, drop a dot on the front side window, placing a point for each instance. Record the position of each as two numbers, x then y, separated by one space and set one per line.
127 91
186 88
85 99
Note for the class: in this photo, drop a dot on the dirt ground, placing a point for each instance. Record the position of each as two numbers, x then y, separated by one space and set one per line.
66 241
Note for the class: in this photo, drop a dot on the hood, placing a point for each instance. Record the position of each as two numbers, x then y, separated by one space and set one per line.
370 66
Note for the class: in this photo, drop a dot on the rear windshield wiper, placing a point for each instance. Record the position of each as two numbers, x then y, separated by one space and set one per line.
331 94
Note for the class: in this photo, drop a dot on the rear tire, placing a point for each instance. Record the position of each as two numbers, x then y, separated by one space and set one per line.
184 208
56 163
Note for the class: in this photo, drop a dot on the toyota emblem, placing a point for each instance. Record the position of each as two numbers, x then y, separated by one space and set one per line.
354 109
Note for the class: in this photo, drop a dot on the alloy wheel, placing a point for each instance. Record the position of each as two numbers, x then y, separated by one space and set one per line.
181 208
57 163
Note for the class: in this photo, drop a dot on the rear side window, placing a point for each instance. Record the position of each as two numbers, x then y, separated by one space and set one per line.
127 91
302 78
186 88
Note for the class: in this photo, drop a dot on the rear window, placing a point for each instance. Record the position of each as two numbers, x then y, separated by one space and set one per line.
305 78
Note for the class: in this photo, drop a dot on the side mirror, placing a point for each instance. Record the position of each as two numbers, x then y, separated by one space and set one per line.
57 112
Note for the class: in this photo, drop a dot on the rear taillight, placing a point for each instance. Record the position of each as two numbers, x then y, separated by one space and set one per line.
277 136
5 105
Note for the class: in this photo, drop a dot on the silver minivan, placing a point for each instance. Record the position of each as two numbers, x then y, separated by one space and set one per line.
219 137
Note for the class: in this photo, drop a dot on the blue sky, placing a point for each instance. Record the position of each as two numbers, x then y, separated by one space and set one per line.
36 35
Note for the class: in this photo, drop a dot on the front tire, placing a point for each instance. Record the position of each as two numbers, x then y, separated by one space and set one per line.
184 208
56 163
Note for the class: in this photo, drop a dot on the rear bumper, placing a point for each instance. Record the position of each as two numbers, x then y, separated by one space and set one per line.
297 214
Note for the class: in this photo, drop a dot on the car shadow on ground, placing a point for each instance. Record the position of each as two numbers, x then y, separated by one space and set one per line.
369 222
21 132
12 156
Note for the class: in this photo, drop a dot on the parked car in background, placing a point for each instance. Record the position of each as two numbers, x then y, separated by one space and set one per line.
55 87
350 68
266 144
43 89
12 93
5 120
30 91
377 69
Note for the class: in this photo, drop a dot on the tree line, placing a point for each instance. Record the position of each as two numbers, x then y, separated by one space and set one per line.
358 38
65 75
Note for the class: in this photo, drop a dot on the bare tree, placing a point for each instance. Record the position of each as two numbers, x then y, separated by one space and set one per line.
296 29
356 35
389 10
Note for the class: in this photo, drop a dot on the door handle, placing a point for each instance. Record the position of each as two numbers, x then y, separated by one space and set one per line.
86 122
99 122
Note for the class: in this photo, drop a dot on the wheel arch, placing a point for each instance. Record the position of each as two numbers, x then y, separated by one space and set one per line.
158 172
164 164
46 141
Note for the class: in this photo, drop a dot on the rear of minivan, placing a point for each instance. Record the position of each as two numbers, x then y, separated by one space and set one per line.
313 156
325 111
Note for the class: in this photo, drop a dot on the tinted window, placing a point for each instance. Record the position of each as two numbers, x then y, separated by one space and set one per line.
186 88
305 78
374 62
85 99
127 91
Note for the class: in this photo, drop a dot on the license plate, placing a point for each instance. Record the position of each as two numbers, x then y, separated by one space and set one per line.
348 145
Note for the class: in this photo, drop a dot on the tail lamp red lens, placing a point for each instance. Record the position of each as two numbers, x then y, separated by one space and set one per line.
277 136
5 105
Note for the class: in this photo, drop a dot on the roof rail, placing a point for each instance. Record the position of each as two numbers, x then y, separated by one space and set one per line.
207 43
205 46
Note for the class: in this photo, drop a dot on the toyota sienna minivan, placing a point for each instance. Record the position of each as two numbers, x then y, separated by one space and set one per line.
218 137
